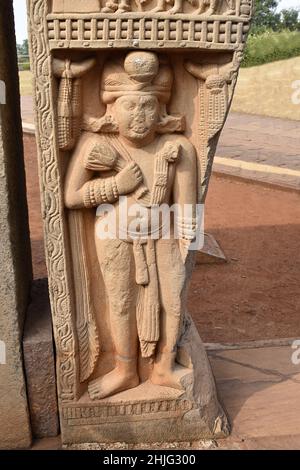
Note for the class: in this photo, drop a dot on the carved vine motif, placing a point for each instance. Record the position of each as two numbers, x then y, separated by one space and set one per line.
52 206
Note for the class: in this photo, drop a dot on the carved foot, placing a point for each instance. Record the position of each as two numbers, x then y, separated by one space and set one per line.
229 12
174 10
158 9
111 383
124 7
166 379
163 373
200 11
210 12
110 7
123 10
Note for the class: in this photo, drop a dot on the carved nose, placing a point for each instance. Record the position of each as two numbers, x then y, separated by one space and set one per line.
140 116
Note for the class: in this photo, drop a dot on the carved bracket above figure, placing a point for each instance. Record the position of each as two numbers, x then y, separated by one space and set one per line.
131 98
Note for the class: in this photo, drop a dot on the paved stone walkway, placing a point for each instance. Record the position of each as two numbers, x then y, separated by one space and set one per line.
260 139
27 109
247 138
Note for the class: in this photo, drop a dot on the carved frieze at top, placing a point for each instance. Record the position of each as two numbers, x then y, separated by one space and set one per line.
172 7
201 24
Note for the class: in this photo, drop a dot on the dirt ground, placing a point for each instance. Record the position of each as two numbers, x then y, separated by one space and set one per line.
256 294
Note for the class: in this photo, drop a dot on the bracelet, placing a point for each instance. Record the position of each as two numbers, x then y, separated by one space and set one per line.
100 191
108 190
115 188
87 196
186 228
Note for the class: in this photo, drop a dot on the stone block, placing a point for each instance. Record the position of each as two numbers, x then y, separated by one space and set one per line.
39 363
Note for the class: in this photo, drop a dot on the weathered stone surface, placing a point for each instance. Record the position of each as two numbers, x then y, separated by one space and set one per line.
141 127
39 363
15 256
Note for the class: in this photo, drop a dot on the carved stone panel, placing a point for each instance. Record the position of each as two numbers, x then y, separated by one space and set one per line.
131 98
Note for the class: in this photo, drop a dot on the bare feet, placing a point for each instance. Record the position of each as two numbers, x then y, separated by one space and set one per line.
163 371
165 379
210 12
174 10
158 9
229 12
111 383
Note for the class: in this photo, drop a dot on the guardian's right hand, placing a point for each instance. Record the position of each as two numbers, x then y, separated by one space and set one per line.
129 179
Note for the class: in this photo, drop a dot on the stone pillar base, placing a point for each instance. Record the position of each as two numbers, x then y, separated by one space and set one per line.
151 413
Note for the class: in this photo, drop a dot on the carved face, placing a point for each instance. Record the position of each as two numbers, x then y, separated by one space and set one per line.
137 116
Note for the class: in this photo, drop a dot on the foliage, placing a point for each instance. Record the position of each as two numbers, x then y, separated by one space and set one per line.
24 66
270 46
22 49
267 17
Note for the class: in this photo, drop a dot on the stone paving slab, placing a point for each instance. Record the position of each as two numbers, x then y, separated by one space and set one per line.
260 139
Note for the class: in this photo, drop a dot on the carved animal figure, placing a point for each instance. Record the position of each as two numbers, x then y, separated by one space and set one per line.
214 6
121 6
177 8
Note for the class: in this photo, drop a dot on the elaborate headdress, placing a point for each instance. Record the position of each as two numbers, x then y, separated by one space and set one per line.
141 74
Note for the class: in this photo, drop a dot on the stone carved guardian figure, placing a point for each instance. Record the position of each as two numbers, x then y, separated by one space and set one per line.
151 166
131 366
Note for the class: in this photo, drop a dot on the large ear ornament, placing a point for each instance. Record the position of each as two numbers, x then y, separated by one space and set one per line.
106 124
170 123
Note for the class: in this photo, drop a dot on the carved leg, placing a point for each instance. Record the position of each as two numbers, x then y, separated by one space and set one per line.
110 7
124 6
231 7
213 7
160 6
117 266
201 8
172 280
177 8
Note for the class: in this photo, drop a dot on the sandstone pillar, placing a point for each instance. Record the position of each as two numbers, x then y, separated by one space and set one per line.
15 255
131 98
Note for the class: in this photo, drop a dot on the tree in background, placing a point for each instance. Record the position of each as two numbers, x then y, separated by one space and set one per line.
23 55
266 17
290 19
23 48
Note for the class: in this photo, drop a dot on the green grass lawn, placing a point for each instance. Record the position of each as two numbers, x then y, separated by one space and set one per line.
25 83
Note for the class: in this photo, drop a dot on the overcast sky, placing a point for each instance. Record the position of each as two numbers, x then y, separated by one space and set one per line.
21 26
